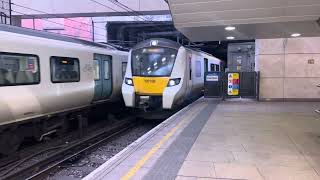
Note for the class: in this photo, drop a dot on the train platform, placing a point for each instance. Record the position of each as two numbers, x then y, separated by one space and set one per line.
212 139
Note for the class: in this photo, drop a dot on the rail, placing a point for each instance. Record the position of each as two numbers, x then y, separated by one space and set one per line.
43 168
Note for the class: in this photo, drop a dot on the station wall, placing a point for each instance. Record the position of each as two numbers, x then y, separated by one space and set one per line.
289 68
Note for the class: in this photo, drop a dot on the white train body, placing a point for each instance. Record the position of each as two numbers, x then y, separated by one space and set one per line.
21 100
184 82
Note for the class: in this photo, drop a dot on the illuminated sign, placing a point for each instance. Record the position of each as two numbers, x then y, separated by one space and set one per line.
233 84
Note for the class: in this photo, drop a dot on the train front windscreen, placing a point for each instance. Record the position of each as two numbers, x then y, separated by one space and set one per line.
153 61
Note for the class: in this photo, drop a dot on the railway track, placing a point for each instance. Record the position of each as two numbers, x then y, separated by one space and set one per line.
64 153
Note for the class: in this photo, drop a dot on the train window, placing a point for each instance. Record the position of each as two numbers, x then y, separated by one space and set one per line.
106 70
212 67
96 66
217 68
124 68
19 69
198 69
205 64
64 69
153 61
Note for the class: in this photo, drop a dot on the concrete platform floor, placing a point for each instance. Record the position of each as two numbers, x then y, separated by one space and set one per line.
257 140
225 140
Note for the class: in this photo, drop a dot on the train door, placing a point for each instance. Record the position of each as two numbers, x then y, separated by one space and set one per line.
206 65
189 65
103 77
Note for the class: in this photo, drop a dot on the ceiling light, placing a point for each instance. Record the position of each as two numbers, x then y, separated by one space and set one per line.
230 28
230 37
295 35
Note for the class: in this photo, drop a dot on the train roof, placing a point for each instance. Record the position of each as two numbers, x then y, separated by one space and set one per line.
158 42
48 35
165 43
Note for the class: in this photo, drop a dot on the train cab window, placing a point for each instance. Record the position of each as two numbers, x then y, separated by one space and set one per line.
153 61
96 67
64 69
198 69
124 68
19 69
217 68
106 70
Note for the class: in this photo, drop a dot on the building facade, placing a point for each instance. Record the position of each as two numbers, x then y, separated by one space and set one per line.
5 12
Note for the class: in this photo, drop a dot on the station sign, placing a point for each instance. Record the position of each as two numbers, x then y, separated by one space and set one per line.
233 84
212 77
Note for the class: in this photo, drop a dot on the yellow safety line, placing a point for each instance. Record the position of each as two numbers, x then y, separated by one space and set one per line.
154 149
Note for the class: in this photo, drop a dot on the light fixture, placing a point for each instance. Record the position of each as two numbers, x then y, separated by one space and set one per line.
154 42
128 81
295 35
174 82
230 28
230 38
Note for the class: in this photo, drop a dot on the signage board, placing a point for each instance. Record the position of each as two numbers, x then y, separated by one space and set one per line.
212 77
233 84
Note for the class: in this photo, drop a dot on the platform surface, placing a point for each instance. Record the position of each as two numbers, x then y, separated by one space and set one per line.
225 140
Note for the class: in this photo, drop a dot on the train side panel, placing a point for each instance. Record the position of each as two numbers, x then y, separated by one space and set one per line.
128 91
29 101
176 94
119 66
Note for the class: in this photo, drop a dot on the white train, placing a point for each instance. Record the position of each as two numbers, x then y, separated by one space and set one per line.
45 78
163 74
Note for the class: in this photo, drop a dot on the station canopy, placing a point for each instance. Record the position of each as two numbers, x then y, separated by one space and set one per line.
206 20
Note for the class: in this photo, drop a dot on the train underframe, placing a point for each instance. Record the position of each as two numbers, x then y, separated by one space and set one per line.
14 134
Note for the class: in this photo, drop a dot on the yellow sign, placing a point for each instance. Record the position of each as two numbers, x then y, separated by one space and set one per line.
150 85
233 84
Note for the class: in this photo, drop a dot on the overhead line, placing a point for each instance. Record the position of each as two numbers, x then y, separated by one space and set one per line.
55 22
55 16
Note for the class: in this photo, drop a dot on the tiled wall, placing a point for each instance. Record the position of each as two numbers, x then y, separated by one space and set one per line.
289 68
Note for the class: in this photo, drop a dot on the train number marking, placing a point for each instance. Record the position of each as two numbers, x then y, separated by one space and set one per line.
87 68
149 81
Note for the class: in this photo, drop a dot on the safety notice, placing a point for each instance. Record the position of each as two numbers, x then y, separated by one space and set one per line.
233 84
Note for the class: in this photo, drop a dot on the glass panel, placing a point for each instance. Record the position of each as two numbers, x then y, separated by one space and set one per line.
96 65
155 61
124 68
64 69
218 68
212 67
198 69
16 69
106 70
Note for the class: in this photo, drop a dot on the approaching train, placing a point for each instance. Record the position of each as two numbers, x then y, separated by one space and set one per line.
45 78
164 74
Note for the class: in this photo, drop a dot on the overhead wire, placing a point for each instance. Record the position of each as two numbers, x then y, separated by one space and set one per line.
55 16
128 9
125 13
55 23
40 11
119 4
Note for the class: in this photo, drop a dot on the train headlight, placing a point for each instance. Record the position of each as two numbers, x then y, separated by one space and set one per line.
174 82
128 81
